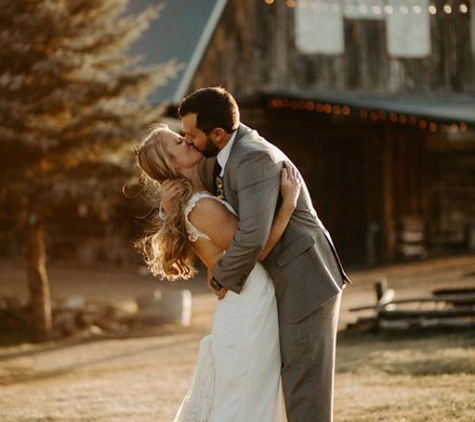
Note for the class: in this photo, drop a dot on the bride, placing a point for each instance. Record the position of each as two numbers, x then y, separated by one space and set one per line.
237 375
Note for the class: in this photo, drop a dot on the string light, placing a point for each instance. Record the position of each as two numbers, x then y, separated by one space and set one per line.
417 10
402 119
365 8
346 110
376 10
340 110
309 105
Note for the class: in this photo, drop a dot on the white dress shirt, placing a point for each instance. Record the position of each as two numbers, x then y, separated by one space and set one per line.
223 155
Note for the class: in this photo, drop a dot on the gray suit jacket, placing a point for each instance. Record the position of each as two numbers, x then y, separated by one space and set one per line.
304 264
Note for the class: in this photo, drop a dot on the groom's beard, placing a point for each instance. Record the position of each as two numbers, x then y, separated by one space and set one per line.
210 149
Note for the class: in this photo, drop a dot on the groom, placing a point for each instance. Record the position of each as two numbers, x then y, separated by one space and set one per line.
307 273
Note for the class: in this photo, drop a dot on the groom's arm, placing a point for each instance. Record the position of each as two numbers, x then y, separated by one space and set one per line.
258 184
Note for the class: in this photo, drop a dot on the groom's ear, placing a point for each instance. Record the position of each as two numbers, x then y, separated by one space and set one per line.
218 135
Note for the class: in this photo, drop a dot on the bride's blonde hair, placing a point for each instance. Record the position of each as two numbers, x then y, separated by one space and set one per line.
165 247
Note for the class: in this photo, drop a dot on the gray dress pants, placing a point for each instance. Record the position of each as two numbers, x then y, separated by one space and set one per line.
308 363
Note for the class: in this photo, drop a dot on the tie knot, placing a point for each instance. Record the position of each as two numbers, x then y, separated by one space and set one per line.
216 169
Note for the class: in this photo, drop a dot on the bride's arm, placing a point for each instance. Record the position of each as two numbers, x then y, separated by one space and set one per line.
290 190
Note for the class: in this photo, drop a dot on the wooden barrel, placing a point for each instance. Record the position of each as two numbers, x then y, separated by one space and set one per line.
410 237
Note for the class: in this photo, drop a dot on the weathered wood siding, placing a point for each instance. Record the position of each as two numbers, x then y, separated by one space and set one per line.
254 47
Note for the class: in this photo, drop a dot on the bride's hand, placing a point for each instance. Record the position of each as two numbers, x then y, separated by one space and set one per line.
290 184
168 190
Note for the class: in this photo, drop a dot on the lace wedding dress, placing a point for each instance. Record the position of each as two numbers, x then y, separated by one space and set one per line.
237 374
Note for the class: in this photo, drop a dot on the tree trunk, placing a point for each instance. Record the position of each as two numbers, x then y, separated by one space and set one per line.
38 283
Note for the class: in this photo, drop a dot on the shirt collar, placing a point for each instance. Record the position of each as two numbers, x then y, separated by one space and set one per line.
223 155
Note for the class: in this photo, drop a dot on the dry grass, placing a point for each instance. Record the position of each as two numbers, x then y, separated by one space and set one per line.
416 377
395 378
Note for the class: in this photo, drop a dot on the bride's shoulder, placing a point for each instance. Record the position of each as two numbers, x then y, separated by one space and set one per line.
205 209
202 203
198 198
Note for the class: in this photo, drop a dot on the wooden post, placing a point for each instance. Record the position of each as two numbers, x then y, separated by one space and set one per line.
380 288
388 197
279 63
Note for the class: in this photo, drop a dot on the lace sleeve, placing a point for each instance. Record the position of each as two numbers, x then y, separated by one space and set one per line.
193 233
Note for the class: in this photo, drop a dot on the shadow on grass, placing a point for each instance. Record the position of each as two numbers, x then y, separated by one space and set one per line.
14 374
415 352
20 344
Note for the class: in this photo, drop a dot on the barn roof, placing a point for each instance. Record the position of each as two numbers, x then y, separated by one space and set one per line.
442 107
182 32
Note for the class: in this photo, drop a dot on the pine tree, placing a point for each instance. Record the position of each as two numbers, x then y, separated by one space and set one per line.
71 103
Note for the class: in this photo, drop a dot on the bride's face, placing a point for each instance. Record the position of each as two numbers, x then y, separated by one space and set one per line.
183 155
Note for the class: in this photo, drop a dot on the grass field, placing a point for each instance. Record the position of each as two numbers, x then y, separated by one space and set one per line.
406 376
424 376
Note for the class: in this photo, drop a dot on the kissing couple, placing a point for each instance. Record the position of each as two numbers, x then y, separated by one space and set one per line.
236 202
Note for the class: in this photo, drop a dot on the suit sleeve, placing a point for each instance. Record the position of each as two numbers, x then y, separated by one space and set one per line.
258 185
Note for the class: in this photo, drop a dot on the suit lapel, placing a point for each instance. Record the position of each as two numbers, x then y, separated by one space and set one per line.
229 194
242 131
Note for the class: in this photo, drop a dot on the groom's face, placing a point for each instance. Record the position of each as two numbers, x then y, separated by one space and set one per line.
196 137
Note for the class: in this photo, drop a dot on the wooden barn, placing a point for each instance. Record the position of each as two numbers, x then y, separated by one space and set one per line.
373 100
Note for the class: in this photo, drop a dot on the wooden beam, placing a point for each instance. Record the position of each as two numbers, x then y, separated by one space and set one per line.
388 197
454 299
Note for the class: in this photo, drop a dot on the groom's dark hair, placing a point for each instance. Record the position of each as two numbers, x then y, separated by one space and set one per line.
214 107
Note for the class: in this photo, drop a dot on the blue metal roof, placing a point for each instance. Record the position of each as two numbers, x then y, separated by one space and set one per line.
182 32
444 107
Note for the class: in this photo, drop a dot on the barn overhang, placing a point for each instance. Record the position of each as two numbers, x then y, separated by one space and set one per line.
423 110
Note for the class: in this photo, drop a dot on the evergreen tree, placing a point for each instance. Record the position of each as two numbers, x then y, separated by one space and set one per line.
71 104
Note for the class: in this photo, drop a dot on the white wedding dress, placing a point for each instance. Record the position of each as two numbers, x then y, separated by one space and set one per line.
237 374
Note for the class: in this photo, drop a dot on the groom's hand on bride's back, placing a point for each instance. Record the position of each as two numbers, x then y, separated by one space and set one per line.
168 190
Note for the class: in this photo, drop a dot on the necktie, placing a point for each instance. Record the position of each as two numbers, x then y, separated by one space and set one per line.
218 180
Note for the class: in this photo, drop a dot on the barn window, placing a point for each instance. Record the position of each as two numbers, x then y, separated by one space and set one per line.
319 27
408 29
